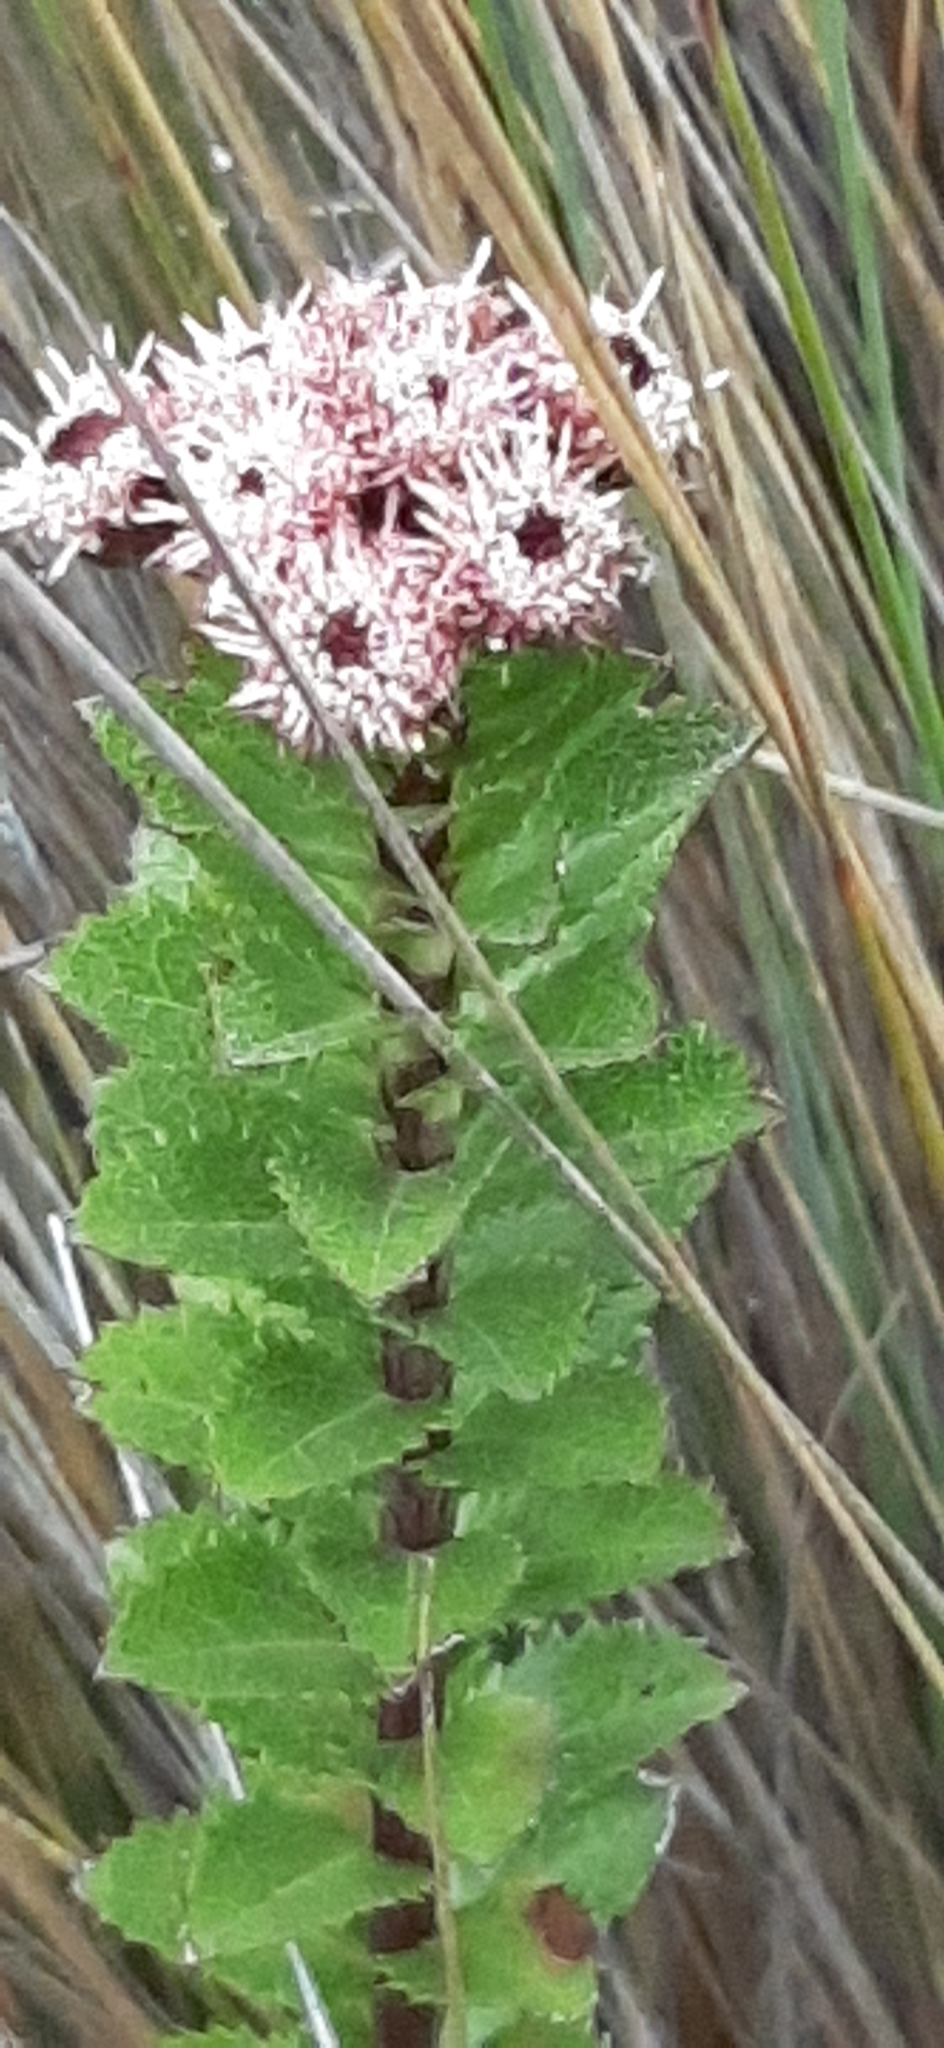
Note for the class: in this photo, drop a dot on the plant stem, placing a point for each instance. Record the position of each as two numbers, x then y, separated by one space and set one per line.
454 2028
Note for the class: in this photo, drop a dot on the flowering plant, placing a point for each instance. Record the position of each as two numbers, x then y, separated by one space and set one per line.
404 1363
406 474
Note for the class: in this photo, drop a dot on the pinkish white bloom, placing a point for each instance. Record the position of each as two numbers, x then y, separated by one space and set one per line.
402 474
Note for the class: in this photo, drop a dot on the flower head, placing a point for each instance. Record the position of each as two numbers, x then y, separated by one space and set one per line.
403 475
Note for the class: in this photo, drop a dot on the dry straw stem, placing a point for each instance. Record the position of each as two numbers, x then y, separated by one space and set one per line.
895 175
909 71
687 1612
52 1031
833 1052
434 257
865 1352
108 39
626 114
851 789
203 55
788 1855
680 1611
433 69
57 1966
330 136
770 442
903 990
647 1246
824 1924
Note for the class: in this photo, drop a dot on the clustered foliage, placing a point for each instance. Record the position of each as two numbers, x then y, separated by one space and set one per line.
406 1367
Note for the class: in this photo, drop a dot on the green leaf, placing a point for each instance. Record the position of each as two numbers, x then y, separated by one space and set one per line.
585 1002
218 1614
248 1877
309 809
139 972
242 1881
184 1168
673 1117
238 970
601 1849
338 1960
238 2037
339 1550
267 1397
508 888
528 1277
371 1224
608 1539
188 1144
570 802
494 1758
515 1197
281 994
506 1969
530 2033
619 1693
590 1429
276 1869
377 1589
476 1576
141 1885
518 1337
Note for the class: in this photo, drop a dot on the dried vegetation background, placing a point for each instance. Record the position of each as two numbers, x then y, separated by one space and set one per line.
791 180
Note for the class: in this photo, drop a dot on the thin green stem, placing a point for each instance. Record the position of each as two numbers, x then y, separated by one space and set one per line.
903 628
831 19
831 26
515 27
493 29
454 2027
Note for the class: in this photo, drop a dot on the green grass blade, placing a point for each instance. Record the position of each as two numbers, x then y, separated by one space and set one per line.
831 24
904 631
513 44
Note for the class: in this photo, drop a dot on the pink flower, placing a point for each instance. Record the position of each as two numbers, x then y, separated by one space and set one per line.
404 474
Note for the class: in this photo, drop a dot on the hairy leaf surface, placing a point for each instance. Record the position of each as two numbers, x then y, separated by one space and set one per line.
406 1370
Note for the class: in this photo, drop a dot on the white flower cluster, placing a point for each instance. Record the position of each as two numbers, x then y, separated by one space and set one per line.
404 474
